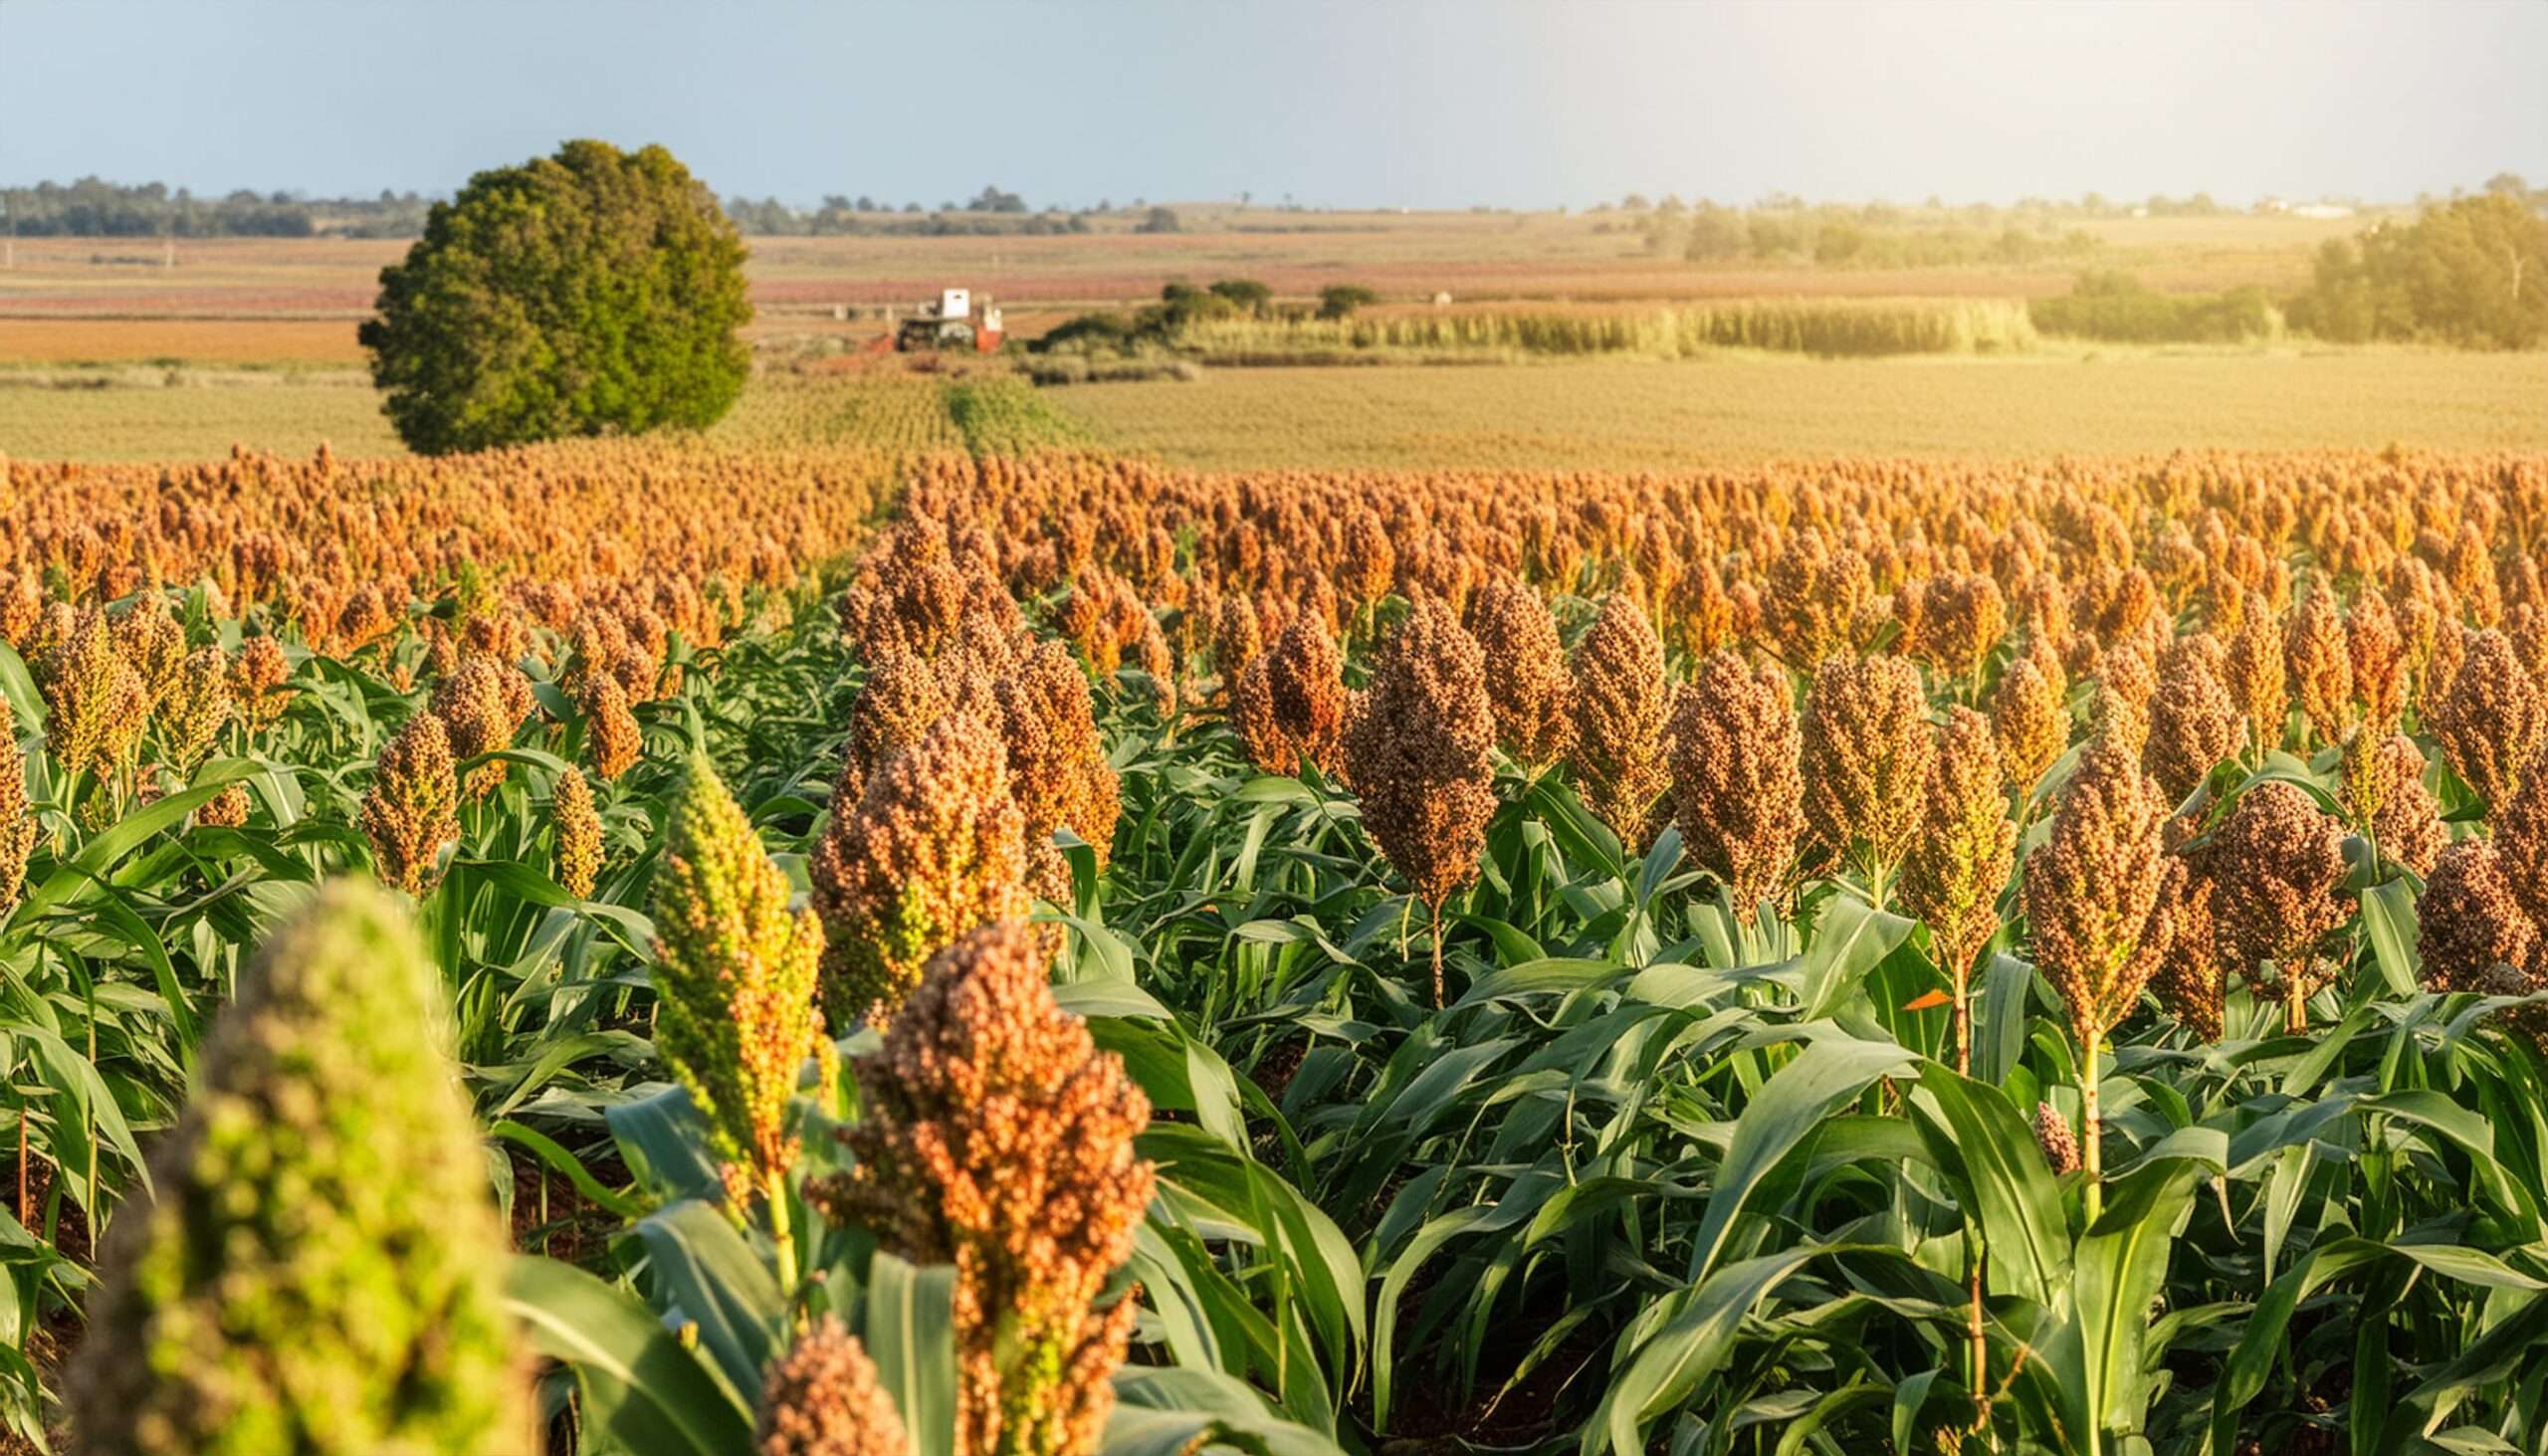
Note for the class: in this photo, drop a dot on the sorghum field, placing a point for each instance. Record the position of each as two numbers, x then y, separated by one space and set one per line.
954 940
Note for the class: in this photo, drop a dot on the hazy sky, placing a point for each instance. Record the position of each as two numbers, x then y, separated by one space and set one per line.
1416 102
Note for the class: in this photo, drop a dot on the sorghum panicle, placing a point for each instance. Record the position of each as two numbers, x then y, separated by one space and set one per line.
736 973
1418 754
935 848
2194 723
1964 848
2253 670
479 711
412 807
1959 620
1867 747
2408 824
2469 921
2189 982
822 1399
1533 696
1620 700
2378 653
578 848
2278 866
2029 722
2319 658
2099 889
1290 702
257 678
1737 787
17 821
2493 718
995 1136
2052 1134
610 727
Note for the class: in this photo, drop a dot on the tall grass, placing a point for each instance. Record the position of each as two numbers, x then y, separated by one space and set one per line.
1858 328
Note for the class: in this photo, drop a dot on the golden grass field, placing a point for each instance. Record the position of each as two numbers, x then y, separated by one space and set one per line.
282 413
1642 415
1624 414
253 341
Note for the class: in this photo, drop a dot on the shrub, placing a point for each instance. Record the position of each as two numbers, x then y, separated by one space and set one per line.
1246 294
2117 306
1340 300
597 292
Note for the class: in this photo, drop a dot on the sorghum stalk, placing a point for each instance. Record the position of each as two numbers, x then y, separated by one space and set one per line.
2099 897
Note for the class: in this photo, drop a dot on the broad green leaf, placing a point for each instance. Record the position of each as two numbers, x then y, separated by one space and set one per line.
663 1400
1987 1148
1829 1074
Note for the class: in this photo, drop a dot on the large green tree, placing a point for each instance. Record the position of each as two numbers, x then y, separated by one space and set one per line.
595 292
2472 273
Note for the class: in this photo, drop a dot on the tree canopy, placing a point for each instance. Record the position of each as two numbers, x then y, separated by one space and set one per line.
2473 272
595 292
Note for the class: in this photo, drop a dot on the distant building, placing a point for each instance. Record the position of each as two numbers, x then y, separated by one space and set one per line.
2324 211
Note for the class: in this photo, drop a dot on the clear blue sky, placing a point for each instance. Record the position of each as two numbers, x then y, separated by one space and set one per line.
1415 103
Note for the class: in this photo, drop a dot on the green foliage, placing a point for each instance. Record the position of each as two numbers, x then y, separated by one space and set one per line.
2473 272
1250 296
591 293
1872 237
1340 300
1005 417
2115 306
1181 307
318 1270
1852 327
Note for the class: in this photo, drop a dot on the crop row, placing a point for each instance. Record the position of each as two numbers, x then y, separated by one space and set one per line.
1949 955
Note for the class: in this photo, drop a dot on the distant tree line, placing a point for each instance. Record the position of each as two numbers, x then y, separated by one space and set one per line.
1851 237
95 208
992 212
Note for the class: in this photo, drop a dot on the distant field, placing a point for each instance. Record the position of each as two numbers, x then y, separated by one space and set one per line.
1477 257
1639 415
1623 414
277 342
282 413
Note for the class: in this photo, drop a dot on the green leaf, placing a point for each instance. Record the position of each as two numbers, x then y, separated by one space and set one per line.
2389 919
547 1152
1173 1412
1689 1348
1852 939
908 1324
706 1273
1982 1142
1829 1074
659 1399
2118 1270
